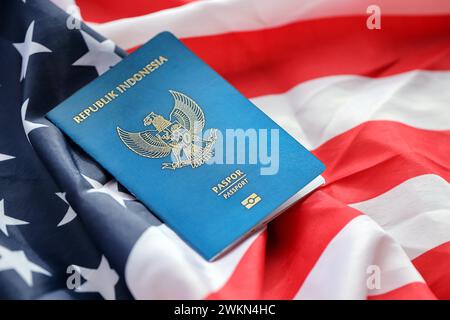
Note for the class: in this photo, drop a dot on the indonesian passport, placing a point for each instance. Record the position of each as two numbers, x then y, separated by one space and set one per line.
183 141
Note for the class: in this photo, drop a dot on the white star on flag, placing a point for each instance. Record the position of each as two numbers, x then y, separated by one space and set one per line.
28 126
101 280
8 221
27 48
110 188
70 213
17 260
4 157
100 55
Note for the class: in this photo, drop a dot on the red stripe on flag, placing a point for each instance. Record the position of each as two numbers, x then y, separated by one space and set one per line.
294 243
434 266
298 237
248 277
411 291
275 60
376 156
108 10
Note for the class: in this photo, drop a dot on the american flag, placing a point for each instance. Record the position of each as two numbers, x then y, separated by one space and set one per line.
372 103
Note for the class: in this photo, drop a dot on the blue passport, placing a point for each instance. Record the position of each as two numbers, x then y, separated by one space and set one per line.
188 145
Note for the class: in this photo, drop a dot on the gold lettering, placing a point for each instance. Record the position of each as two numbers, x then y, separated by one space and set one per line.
77 119
137 77
121 88
230 184
144 72
112 94
82 115
154 65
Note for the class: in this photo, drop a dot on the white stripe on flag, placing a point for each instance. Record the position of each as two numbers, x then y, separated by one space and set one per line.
320 109
358 251
416 213
69 6
162 266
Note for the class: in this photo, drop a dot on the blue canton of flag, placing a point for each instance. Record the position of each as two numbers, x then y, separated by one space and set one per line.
66 227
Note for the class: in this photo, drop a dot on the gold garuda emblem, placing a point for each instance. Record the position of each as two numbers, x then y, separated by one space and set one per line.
180 136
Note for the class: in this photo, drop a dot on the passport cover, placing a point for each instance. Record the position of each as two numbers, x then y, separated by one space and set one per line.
155 122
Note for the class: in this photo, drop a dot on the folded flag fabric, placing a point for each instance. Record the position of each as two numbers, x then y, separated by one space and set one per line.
372 104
